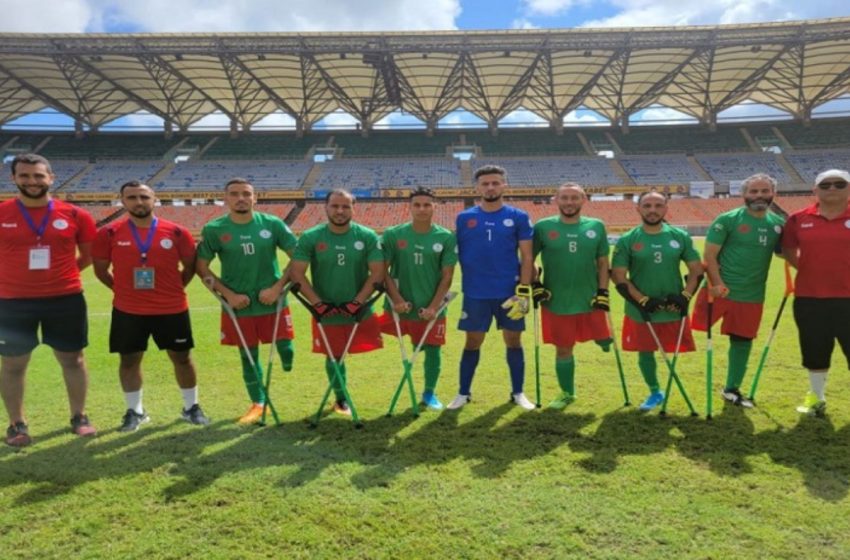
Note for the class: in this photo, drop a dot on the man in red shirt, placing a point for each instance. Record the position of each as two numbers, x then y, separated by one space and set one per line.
816 242
44 244
152 261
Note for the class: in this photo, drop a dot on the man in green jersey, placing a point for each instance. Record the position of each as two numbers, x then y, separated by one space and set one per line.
738 249
574 253
646 271
246 243
345 262
420 258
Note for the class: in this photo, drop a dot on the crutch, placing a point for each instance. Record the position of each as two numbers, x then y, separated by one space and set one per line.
789 289
673 376
210 283
407 376
626 401
278 309
535 318
709 350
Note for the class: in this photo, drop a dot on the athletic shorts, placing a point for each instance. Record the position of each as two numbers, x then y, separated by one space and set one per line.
739 317
63 321
415 329
820 322
565 330
638 338
129 333
366 339
477 315
257 328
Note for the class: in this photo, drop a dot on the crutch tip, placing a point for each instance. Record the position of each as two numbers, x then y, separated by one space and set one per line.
694 414
312 425
709 417
358 426
388 415
662 414
627 403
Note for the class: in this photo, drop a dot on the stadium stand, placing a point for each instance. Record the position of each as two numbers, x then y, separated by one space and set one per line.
526 142
105 146
375 173
735 167
377 215
261 145
546 172
660 170
396 143
201 175
101 211
809 164
680 139
821 133
192 218
108 176
791 204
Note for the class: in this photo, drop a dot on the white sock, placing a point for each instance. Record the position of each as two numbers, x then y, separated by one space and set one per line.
190 397
817 379
134 401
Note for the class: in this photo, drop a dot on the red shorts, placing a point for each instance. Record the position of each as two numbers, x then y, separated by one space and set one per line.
415 329
739 317
367 338
565 330
637 338
257 328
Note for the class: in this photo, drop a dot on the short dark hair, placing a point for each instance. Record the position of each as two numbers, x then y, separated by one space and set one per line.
133 183
237 181
423 191
644 194
343 192
490 170
32 159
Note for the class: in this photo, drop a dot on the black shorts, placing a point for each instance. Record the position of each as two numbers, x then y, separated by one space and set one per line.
820 322
63 321
129 333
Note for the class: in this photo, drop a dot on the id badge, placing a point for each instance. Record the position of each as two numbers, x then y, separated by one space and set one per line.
143 278
40 258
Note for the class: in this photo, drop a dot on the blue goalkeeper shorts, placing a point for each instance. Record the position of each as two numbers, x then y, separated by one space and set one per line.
477 314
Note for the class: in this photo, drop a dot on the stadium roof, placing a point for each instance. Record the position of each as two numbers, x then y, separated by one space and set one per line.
698 70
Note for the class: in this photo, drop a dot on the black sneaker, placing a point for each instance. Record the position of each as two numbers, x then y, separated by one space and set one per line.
195 415
132 420
81 426
17 435
735 397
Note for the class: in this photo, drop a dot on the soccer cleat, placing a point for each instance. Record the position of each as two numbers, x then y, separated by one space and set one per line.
653 400
735 397
341 407
17 435
253 415
521 400
81 426
132 420
195 415
562 401
430 400
459 401
812 406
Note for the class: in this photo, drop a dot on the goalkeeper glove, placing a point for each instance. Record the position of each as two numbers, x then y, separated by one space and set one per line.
539 293
517 304
679 302
601 300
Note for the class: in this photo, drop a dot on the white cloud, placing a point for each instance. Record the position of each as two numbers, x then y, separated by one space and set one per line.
216 16
523 23
548 7
662 115
275 120
522 117
337 119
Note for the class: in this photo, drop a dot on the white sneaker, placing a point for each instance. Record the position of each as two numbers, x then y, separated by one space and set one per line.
519 398
458 402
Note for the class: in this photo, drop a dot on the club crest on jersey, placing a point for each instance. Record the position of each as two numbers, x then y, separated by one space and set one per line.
226 237
166 243
508 222
553 235
778 229
321 246
60 224
265 234
637 247
590 234
744 228
437 247
359 245
471 223
847 224
401 244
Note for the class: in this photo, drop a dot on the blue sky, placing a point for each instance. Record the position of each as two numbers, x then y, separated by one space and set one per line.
152 16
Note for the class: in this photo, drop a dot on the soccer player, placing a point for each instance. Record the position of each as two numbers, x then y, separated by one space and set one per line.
816 242
420 258
574 253
646 272
738 251
345 262
44 246
251 282
496 281
152 260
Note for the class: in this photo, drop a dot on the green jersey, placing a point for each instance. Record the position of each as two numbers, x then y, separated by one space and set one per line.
416 262
339 262
248 255
653 261
569 254
746 247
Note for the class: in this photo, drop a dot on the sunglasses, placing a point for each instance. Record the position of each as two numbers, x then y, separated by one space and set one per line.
837 184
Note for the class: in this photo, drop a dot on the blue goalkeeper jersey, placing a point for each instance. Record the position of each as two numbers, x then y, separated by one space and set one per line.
488 250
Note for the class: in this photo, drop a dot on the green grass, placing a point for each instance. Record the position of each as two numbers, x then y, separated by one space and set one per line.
595 481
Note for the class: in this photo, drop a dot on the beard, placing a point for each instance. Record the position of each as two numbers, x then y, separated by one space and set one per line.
140 213
339 221
758 204
651 222
493 198
41 193
572 214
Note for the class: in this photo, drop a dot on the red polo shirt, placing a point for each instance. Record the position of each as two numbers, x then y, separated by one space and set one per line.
823 268
170 245
67 227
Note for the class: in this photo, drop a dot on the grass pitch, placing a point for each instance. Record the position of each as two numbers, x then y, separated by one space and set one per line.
595 481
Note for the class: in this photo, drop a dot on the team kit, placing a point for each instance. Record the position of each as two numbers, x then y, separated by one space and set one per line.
358 286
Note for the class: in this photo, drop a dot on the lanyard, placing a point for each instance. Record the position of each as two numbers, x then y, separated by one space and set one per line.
143 247
38 231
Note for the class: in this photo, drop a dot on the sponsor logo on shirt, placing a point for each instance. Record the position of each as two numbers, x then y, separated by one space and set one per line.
340 247
420 247
245 237
437 247
9 225
180 340
807 225
359 245
718 227
60 224
265 234
508 222
486 223
123 243
166 243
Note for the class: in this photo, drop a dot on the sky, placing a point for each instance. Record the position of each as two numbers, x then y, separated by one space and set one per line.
180 16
